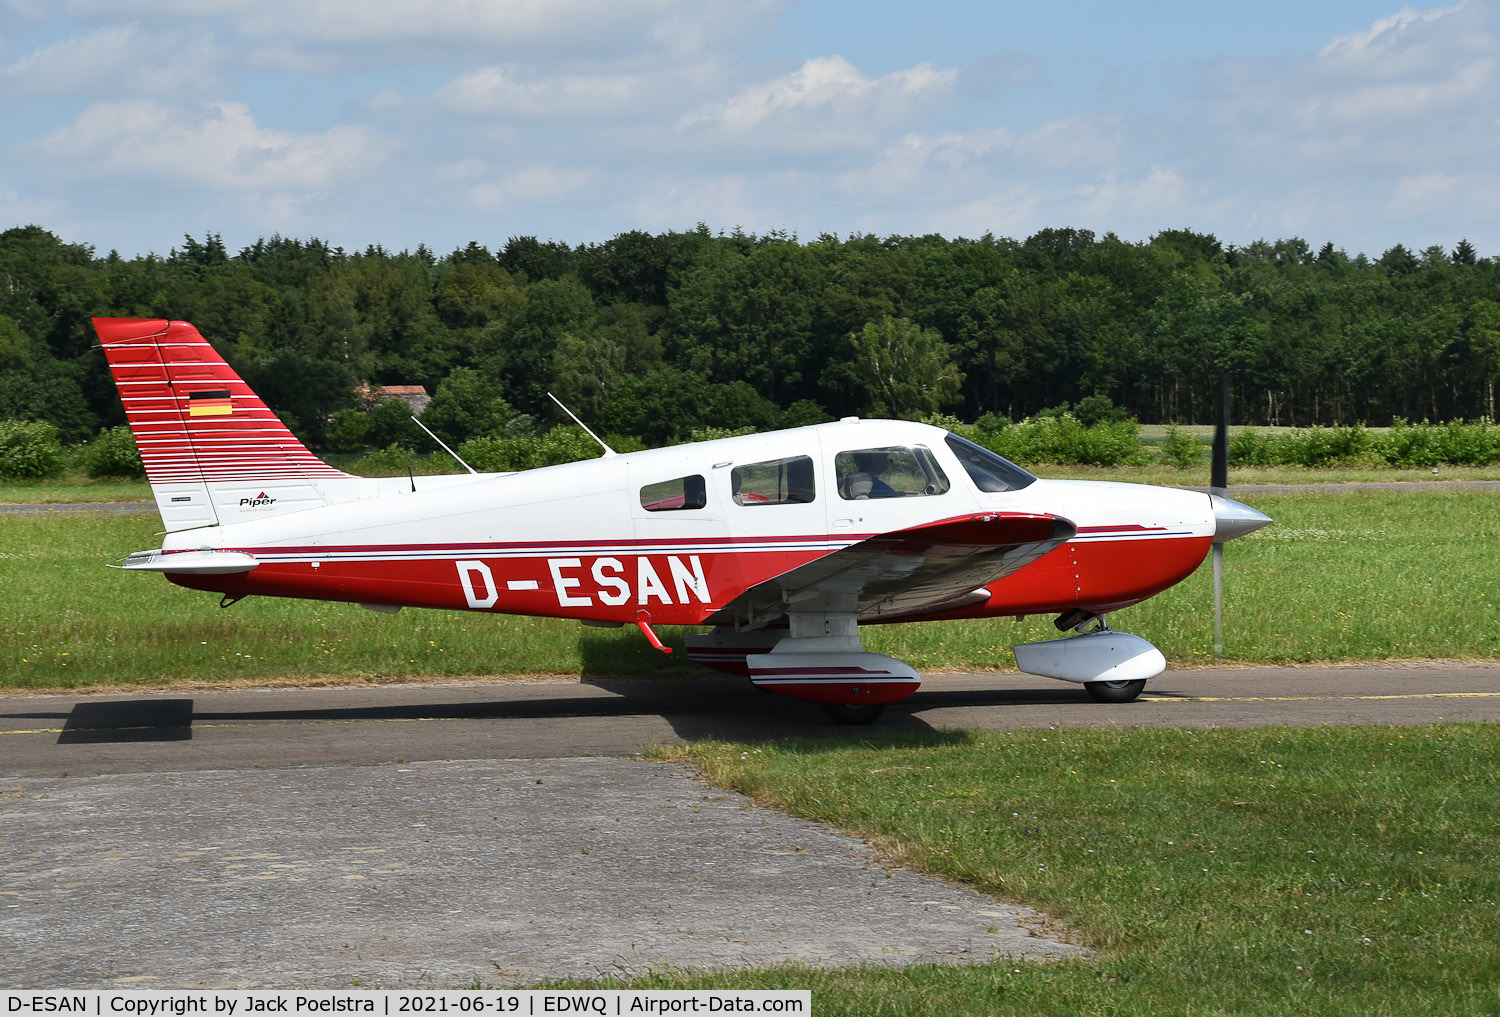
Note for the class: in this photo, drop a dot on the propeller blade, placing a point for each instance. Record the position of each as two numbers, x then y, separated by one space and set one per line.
1219 473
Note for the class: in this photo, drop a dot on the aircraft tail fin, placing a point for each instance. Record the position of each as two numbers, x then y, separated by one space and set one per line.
207 441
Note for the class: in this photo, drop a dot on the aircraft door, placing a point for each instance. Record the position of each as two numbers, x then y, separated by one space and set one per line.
876 489
776 506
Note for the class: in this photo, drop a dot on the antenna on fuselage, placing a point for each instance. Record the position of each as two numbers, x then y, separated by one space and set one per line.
446 449
608 452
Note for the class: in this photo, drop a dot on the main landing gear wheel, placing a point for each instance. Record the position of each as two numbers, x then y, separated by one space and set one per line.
852 713
1116 692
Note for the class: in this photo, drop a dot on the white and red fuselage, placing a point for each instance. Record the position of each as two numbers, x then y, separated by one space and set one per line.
726 533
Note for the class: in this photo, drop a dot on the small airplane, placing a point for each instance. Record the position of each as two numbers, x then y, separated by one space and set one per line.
782 543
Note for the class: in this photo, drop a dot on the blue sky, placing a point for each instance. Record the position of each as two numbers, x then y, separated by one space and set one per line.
128 123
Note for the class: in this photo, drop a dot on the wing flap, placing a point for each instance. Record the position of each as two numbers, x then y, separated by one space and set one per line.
905 572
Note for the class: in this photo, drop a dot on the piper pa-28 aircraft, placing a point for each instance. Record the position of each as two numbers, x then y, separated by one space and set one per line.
783 543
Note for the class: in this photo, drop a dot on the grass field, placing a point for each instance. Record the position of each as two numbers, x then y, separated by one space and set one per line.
1328 871
1338 577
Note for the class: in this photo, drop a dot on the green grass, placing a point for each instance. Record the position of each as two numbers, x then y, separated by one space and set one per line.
1364 576
72 489
1326 871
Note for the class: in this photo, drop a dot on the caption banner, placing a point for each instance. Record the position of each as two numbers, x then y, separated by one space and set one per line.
396 1003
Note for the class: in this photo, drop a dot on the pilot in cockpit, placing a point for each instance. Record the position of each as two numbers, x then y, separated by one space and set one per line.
867 482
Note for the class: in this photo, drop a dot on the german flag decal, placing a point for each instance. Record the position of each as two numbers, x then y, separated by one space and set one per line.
211 403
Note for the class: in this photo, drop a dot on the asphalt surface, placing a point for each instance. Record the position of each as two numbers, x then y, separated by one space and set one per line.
518 719
507 833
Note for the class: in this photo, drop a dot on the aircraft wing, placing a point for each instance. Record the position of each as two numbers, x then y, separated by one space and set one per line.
914 571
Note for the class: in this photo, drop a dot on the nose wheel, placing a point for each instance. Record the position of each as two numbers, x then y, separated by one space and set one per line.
1115 692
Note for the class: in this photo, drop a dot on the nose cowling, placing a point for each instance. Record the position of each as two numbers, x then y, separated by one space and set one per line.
1234 519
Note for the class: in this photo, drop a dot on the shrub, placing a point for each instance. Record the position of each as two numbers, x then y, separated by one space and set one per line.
1065 440
1099 409
347 430
390 461
112 454
567 443
1249 447
992 423
29 449
1180 449
1321 446
1475 444
564 444
498 455
714 433
1408 445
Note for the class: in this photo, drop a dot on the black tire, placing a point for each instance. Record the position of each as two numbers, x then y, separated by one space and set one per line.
1115 692
852 713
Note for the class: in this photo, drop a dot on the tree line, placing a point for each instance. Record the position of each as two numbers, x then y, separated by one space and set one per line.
661 335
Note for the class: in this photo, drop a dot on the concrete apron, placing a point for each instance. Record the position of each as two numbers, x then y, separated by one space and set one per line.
450 874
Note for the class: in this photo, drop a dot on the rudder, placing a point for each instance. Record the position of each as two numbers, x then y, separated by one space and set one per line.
213 451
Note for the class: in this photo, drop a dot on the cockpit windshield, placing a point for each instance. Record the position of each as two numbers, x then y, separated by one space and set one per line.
990 473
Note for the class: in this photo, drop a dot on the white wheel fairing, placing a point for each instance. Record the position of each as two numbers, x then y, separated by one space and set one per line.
1092 657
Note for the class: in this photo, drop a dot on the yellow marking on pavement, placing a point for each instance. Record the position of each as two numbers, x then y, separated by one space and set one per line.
1316 699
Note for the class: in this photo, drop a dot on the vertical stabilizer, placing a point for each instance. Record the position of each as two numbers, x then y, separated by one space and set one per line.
213 451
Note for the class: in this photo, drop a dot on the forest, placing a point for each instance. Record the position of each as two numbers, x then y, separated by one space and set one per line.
658 336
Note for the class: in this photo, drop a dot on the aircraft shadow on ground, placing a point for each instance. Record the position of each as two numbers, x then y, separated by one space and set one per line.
712 708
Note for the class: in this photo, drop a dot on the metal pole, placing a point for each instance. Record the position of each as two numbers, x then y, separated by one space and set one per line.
1218 599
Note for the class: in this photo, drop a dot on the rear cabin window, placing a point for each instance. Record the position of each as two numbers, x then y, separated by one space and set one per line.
891 472
675 495
776 482
990 472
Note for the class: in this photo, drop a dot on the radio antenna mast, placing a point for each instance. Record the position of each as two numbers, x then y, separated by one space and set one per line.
446 449
609 453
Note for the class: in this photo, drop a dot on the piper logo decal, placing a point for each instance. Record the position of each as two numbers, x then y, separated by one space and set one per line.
259 501
604 579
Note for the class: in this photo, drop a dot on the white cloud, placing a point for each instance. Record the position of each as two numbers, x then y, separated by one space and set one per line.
1160 195
501 91
519 29
1013 211
964 166
1380 103
1320 141
119 59
542 184
1424 191
725 199
220 148
1386 36
1073 142
825 103
17 208
926 164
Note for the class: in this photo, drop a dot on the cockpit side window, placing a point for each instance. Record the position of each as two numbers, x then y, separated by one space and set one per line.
890 472
787 481
990 472
675 495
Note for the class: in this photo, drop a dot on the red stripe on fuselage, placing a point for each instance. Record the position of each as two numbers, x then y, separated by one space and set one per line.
1096 575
